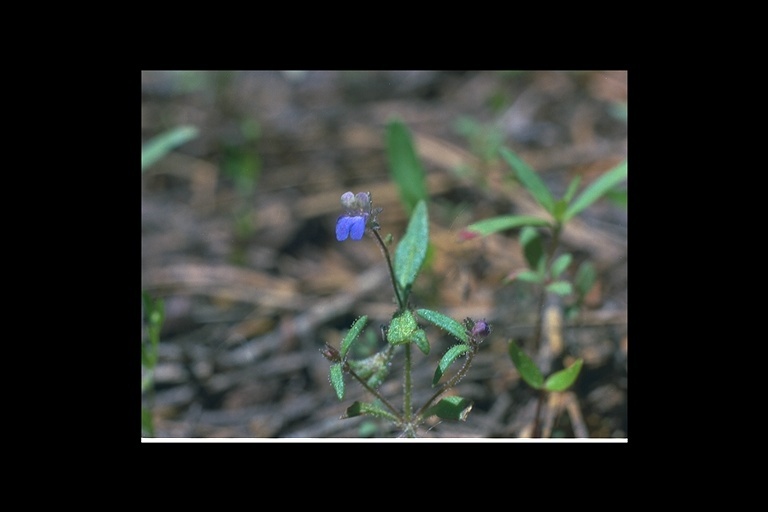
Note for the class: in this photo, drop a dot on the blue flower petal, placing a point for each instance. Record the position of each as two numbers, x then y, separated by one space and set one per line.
357 228
342 227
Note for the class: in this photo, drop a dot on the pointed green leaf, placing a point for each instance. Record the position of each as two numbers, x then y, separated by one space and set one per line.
337 379
405 166
533 247
358 408
572 187
560 264
529 276
412 249
450 408
561 288
562 380
420 339
530 180
375 368
525 365
585 278
159 146
444 322
597 189
401 328
495 224
448 358
352 335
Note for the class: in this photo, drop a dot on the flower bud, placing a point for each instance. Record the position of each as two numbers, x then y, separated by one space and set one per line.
330 353
481 329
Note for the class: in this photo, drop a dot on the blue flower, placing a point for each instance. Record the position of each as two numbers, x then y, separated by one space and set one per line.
355 219
353 227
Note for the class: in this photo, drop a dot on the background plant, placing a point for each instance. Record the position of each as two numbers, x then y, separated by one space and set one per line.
547 264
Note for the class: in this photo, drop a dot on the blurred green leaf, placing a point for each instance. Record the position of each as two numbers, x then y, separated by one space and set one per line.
157 147
562 380
572 187
444 322
530 180
525 365
495 224
448 358
597 189
529 276
352 335
560 264
401 328
450 408
412 249
585 278
420 339
617 197
562 288
405 165
359 408
337 379
375 368
533 247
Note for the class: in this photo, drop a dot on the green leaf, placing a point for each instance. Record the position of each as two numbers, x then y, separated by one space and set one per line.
562 380
159 146
530 180
559 210
597 189
495 224
444 322
525 365
375 368
352 335
585 278
412 249
572 187
401 328
450 408
533 247
529 276
359 408
561 288
337 379
561 264
448 358
405 166
420 339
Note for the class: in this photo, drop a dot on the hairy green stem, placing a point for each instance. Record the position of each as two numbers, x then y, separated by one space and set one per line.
407 385
376 394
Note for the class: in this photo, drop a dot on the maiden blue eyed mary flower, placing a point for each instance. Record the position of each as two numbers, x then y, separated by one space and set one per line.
355 219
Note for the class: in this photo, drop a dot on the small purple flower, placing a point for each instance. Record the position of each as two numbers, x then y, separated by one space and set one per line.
357 210
481 328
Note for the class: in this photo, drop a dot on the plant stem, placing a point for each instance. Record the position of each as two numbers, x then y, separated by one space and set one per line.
543 293
385 251
376 394
407 385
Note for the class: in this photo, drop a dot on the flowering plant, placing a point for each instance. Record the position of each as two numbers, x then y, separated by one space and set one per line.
403 330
